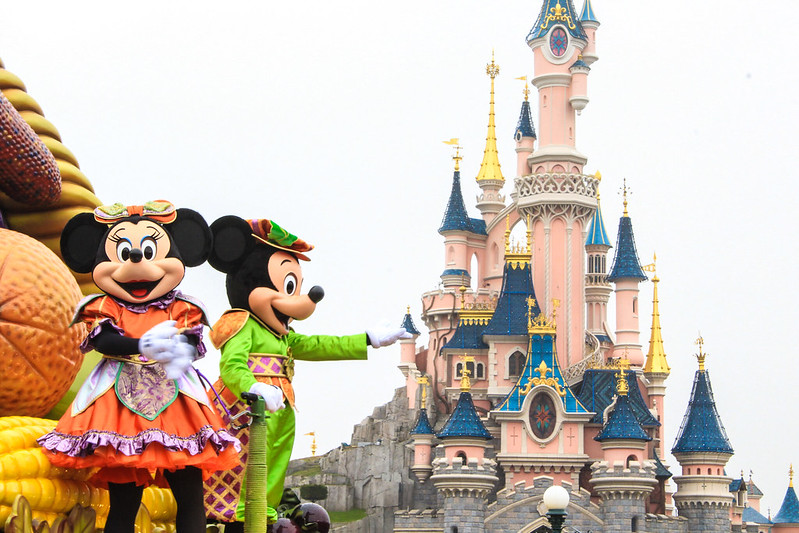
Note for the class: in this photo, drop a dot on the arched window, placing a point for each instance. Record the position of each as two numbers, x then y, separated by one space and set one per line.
480 371
631 458
635 306
470 368
459 370
709 472
462 455
515 365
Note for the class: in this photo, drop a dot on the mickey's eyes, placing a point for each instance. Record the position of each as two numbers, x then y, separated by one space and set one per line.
123 250
290 284
148 248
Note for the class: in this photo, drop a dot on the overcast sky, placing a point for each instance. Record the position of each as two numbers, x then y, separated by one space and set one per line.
328 117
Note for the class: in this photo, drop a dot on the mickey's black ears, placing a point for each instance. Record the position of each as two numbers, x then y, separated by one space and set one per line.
192 236
80 240
233 242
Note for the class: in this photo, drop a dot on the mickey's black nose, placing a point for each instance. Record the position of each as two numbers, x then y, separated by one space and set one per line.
136 255
316 294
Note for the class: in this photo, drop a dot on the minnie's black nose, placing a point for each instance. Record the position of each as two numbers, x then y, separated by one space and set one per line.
136 255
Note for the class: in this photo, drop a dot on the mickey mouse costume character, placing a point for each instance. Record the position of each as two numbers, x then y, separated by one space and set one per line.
264 280
142 416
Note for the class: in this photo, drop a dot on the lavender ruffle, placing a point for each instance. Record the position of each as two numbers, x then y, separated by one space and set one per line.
86 444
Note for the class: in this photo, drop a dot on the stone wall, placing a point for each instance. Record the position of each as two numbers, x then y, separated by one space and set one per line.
665 524
708 518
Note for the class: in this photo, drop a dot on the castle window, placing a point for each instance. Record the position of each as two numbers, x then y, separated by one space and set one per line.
470 368
635 306
709 472
634 524
515 365
459 370
462 456
480 371
630 459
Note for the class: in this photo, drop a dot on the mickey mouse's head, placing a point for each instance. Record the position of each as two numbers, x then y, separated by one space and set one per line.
136 253
264 276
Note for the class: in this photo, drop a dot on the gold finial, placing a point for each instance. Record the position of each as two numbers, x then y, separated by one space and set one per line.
313 442
463 296
790 476
408 310
466 384
622 388
598 175
490 168
625 190
457 157
656 357
530 305
701 355
526 87
507 234
423 381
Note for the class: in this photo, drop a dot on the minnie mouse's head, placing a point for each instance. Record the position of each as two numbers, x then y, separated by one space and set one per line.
136 253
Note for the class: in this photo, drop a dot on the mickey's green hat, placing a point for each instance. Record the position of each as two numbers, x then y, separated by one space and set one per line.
268 232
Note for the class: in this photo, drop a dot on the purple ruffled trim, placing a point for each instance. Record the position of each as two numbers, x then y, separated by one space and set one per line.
83 445
88 343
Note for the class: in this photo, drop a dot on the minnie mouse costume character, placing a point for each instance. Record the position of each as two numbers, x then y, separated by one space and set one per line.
143 416
264 282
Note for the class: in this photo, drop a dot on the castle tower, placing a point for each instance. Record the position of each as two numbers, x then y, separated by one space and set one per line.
524 134
422 435
656 368
787 518
489 178
407 364
557 196
462 473
590 24
624 479
597 288
703 449
627 273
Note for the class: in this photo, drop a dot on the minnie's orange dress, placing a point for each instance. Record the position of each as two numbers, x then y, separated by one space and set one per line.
128 418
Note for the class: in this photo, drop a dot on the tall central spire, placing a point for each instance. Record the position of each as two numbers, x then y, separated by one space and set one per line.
656 357
489 168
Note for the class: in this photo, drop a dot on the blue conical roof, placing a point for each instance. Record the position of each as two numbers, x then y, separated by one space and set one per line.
455 217
701 429
407 323
622 424
598 388
541 357
468 336
789 510
587 15
423 426
524 127
626 264
464 421
596 230
751 514
550 15
510 316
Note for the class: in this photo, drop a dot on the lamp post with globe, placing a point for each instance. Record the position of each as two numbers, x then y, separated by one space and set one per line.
556 499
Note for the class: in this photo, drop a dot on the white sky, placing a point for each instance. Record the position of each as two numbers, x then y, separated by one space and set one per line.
328 117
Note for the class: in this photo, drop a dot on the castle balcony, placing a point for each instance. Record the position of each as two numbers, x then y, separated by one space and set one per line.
552 194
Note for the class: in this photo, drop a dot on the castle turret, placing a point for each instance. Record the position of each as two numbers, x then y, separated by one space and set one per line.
624 479
656 368
489 178
597 288
422 435
462 473
626 273
787 518
590 24
407 364
703 449
557 196
524 134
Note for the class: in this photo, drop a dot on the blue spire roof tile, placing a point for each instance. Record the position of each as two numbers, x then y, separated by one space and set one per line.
587 14
596 230
568 19
525 128
626 264
510 315
661 472
751 514
789 510
455 216
464 421
598 388
468 336
423 426
407 323
622 424
701 429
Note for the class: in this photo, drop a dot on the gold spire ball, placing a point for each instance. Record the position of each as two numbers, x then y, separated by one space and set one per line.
489 168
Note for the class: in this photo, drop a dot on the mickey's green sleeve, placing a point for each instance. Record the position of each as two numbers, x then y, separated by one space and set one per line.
327 347
233 368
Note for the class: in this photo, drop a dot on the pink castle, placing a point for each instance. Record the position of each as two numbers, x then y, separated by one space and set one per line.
524 383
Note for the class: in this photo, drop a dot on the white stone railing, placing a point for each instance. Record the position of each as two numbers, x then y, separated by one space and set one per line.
533 184
575 372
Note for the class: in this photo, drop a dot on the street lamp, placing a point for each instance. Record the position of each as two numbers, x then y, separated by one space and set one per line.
556 499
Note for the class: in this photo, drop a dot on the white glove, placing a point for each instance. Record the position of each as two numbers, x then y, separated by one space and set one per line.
273 396
385 335
183 355
158 342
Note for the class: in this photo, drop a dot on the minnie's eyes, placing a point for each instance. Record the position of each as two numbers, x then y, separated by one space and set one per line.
123 250
148 248
290 284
